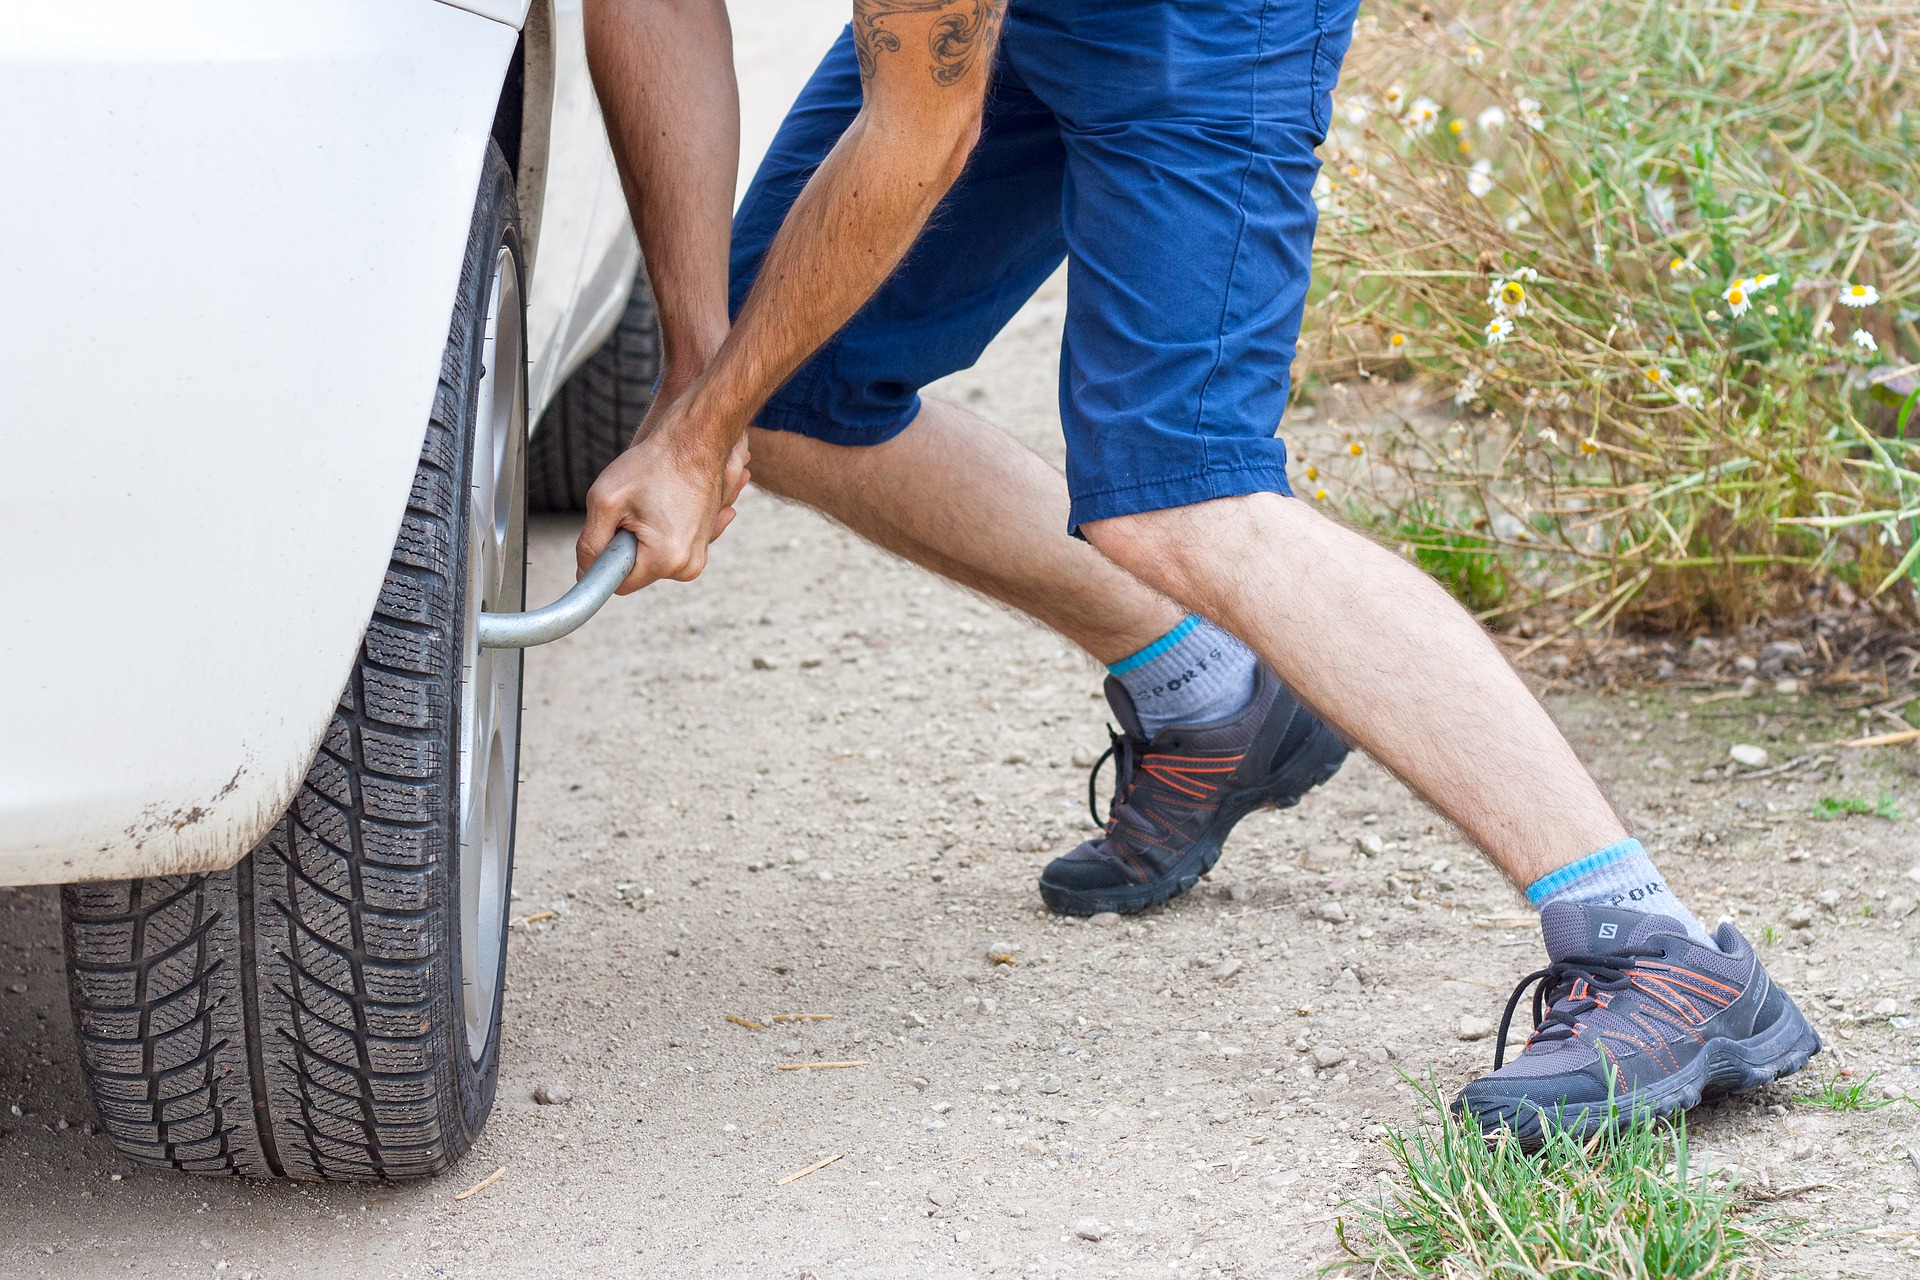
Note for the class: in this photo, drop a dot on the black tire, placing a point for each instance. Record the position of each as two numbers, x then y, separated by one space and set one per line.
301 1014
592 420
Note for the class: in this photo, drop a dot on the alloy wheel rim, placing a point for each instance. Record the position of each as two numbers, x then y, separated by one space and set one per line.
490 685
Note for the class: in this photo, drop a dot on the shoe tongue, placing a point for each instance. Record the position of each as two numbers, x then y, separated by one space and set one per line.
1572 928
1122 703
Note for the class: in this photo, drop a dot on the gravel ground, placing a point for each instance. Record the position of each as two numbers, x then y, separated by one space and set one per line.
820 782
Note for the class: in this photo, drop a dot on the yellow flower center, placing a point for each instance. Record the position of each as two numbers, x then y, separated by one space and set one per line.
1397 340
1356 448
1313 473
1857 291
1319 495
1736 296
1654 375
1512 293
1455 126
1676 264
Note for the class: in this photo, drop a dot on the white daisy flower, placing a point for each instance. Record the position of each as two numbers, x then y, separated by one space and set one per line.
1469 389
1689 395
1737 297
1864 340
1396 98
1859 295
1498 330
1761 282
1516 220
1356 109
1508 296
1480 178
1423 116
1530 114
1491 120
1323 193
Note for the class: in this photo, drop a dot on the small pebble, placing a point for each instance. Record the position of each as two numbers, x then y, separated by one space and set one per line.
1226 969
1749 755
1324 857
765 664
552 1094
1475 1028
1049 1084
1800 918
1088 1229
1104 919
1239 891
1331 911
1327 1055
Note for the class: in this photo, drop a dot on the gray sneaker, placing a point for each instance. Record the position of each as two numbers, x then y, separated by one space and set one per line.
1177 796
1633 1017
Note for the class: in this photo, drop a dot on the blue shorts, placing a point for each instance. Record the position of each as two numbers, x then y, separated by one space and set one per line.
1166 150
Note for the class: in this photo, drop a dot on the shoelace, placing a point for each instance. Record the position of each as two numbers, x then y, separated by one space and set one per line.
1557 1019
1125 754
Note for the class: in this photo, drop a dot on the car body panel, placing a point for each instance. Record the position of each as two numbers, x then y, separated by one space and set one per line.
235 235
587 254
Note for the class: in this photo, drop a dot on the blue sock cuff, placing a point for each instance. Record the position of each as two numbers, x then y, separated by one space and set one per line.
1158 647
1543 888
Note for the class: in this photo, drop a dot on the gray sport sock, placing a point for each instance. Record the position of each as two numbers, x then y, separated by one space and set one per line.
1195 674
1620 875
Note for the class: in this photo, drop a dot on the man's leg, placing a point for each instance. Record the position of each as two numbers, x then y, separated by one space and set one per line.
1378 648
849 435
955 495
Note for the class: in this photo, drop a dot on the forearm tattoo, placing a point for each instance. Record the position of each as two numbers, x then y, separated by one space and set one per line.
962 30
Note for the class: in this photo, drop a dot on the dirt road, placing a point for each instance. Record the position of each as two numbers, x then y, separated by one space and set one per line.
818 782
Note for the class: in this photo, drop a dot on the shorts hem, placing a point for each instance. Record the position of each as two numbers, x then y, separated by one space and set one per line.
1185 491
815 426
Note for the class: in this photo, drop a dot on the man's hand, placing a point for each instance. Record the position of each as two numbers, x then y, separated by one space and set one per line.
675 496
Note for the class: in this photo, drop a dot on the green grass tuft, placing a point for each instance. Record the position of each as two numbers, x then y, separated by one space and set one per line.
1632 1206
1827 808
1831 1095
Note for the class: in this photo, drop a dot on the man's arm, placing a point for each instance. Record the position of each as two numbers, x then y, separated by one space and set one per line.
924 68
663 70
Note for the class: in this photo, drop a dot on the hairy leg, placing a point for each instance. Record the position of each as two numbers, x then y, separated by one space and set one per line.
955 495
1382 652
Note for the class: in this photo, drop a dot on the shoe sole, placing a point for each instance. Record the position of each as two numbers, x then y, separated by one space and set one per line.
1722 1067
1316 762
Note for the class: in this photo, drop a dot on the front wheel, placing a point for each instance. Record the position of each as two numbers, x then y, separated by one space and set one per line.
330 1007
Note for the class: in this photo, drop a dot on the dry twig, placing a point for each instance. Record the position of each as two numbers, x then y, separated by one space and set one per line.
483 1184
815 1167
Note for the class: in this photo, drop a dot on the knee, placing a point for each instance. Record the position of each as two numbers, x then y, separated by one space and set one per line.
1125 540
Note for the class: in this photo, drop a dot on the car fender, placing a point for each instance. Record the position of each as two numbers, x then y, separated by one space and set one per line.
235 231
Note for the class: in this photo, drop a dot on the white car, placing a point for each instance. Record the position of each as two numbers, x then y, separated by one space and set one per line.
287 281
